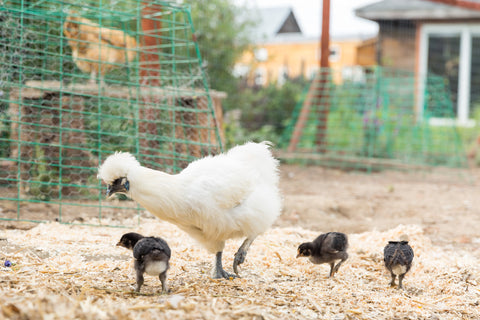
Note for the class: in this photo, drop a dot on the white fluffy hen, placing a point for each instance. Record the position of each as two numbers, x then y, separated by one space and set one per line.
216 198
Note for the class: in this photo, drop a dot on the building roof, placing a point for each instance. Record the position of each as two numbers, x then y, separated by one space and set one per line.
415 10
280 25
276 21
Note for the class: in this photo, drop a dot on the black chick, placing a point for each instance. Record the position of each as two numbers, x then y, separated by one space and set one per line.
151 256
398 257
329 248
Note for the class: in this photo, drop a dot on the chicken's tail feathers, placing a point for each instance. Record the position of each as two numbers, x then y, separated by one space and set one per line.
399 256
259 157
269 144
340 241
159 254
116 166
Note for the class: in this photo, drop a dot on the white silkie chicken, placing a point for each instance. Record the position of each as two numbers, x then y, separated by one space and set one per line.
216 198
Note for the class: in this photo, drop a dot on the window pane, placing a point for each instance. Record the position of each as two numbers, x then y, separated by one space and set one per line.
475 78
443 61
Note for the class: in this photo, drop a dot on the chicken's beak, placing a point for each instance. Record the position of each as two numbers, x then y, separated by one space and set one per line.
109 192
119 244
298 255
118 186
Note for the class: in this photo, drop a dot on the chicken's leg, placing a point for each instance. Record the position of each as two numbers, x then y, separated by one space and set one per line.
241 253
93 77
218 272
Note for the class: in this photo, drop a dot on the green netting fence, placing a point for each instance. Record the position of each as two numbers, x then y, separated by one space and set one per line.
82 79
369 119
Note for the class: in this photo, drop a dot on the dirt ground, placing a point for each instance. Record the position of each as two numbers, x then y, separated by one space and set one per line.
445 202
76 272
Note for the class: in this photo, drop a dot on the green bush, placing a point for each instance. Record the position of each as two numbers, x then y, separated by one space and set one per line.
264 112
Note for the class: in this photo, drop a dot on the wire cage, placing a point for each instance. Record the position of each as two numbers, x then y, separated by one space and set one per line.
369 119
82 79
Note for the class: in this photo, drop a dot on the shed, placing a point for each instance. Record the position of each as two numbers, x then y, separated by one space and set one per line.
432 37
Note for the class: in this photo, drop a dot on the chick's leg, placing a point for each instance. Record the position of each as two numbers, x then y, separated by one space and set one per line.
400 280
139 281
332 269
139 269
218 271
242 253
392 283
163 279
344 258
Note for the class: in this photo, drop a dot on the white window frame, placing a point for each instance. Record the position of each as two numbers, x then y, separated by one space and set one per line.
465 31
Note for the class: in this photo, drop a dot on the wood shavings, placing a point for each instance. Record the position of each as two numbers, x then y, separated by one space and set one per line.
82 274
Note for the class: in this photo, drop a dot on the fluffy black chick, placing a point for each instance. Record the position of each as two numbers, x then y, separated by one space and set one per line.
151 256
398 257
328 248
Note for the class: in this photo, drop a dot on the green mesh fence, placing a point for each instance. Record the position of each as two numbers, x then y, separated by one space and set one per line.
81 79
369 119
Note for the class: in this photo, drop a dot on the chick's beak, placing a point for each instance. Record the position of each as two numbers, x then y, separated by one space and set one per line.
298 254
119 244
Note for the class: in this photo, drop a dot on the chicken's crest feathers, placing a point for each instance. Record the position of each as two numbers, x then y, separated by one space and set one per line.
116 166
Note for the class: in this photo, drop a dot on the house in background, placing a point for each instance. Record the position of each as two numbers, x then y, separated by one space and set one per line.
431 37
282 51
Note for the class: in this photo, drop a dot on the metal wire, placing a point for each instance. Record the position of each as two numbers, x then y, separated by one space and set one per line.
371 122
82 79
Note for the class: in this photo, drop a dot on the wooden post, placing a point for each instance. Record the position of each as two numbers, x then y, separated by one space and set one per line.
150 56
322 93
149 74
317 90
325 37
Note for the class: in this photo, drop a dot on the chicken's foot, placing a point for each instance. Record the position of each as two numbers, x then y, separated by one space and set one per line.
218 271
241 254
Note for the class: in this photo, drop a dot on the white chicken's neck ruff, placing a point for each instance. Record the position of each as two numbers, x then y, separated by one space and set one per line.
158 192
116 166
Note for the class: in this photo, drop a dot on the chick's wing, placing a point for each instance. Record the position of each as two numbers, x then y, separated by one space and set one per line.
148 244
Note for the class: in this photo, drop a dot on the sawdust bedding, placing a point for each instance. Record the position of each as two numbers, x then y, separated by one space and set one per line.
77 272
